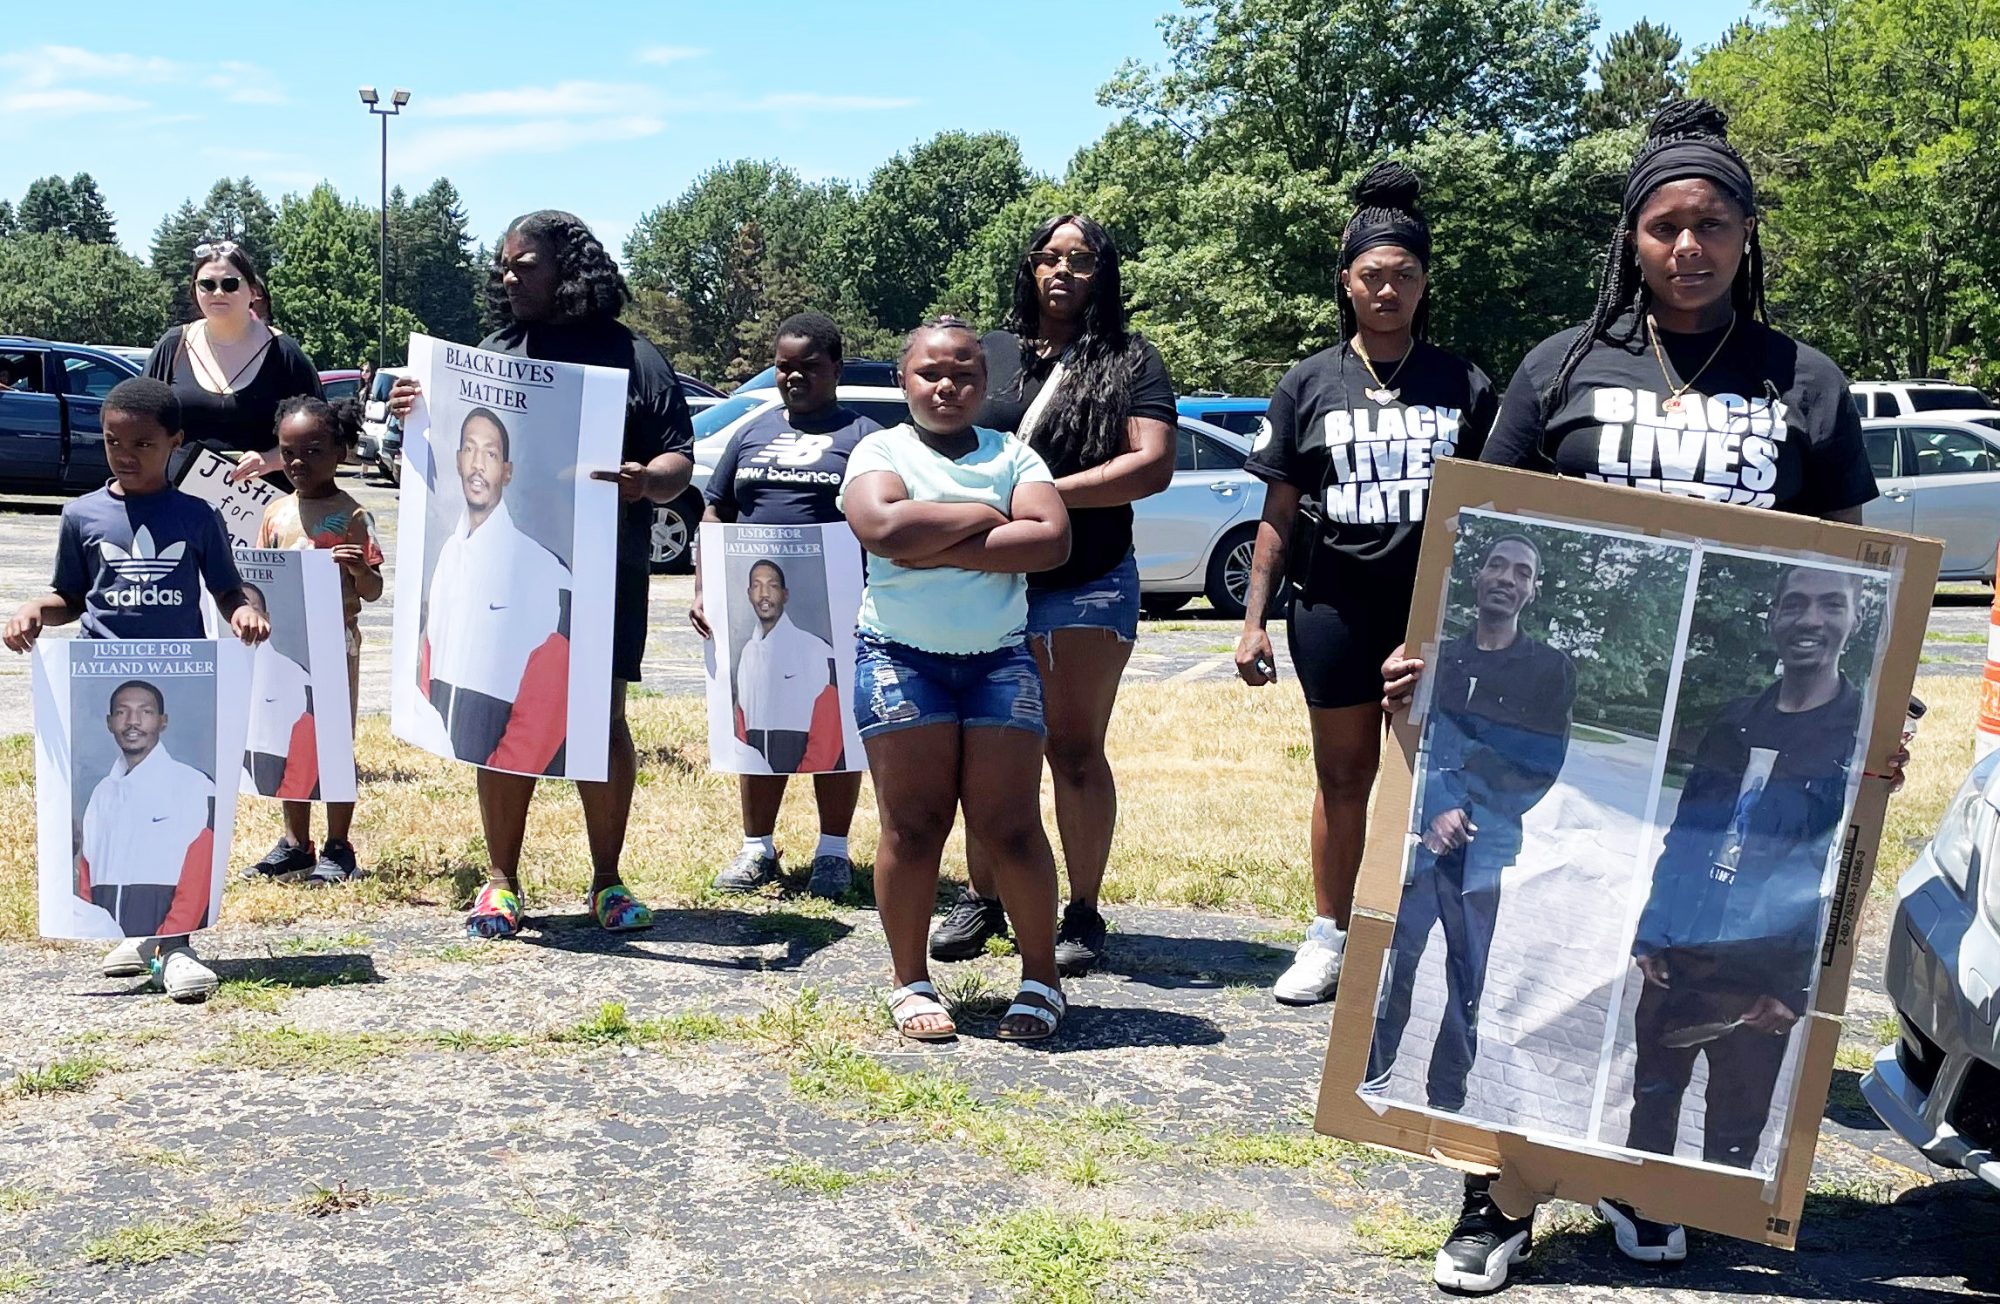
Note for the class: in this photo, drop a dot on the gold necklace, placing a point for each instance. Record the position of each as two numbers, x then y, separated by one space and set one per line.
1382 393
1673 403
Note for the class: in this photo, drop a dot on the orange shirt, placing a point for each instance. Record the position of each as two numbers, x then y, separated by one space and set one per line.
295 522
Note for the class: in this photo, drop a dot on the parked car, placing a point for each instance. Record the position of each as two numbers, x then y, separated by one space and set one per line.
1938 1085
1245 416
51 404
1907 398
381 434
695 387
339 384
853 371
132 353
1939 477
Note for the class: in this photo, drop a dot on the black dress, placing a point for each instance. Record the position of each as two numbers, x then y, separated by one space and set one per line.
247 419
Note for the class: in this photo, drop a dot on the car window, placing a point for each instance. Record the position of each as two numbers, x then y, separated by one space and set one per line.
336 390
1950 452
1214 455
1883 445
1863 407
88 377
1242 423
1939 398
882 411
1183 449
711 420
21 371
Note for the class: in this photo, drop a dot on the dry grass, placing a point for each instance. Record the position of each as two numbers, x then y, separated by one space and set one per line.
1214 785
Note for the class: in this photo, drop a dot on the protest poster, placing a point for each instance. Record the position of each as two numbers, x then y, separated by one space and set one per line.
1606 918
130 740
205 475
781 602
300 740
502 643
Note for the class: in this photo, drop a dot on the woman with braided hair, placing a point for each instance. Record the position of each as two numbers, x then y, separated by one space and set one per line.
557 295
1676 383
1353 432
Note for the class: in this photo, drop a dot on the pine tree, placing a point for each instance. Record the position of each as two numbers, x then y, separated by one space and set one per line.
1635 77
90 220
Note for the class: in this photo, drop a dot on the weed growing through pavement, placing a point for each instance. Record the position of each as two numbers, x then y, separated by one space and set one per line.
819 1179
58 1077
1288 1149
151 1156
18 1280
349 941
289 1049
1392 1230
20 1199
152 1239
1886 1031
1059 1256
559 1220
471 953
322 1201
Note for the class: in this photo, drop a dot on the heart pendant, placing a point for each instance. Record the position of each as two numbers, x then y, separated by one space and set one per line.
1382 395
1673 404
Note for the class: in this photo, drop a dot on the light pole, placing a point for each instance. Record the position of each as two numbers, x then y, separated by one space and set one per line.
397 100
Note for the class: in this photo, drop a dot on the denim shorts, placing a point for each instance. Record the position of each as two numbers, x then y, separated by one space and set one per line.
1111 601
900 687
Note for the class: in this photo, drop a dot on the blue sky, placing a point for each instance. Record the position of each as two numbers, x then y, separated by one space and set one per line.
608 108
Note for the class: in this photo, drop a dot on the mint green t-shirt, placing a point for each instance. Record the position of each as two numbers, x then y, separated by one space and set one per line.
946 609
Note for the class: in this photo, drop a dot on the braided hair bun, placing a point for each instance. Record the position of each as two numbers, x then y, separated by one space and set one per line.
1696 117
1388 185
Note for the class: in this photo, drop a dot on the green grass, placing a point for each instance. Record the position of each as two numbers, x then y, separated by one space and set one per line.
150 1156
267 994
18 1281
471 953
323 945
1886 1030
292 1050
20 1199
1053 1256
557 1219
1287 1149
322 1201
464 1039
1953 636
1394 1231
153 1239
1853 1058
58 1077
612 1026
819 1179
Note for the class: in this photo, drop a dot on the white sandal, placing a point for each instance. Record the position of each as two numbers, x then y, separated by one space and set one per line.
908 1004
1049 1012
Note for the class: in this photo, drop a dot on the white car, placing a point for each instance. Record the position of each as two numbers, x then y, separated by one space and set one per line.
1193 539
1908 398
1939 477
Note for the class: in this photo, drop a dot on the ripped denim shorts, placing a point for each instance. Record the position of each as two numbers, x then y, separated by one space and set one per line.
897 686
1111 601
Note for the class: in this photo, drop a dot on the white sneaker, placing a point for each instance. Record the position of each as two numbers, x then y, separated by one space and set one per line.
1315 971
131 958
185 977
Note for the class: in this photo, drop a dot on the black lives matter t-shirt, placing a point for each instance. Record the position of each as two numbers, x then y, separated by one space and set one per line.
785 470
1768 423
1099 537
1363 467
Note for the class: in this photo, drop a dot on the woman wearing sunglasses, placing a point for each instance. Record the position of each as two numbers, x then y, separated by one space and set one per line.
1094 400
229 369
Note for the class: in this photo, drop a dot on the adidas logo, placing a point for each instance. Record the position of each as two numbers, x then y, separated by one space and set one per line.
142 565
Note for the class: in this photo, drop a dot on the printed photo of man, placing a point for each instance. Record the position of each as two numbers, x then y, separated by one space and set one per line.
1497 737
1730 934
281 748
495 651
787 695
148 830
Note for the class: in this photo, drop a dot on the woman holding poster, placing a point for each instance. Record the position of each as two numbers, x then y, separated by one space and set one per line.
785 468
1675 354
557 295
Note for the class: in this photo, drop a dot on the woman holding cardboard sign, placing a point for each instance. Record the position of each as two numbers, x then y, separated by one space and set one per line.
1674 384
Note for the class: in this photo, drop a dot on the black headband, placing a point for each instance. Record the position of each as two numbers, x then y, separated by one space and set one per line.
1374 227
1684 159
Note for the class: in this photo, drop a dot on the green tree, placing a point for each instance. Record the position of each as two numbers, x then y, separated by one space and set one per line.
1874 130
324 288
57 288
233 210
8 222
431 271
73 208
1635 76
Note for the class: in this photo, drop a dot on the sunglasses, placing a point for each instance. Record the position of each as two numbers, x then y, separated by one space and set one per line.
1081 262
228 284
214 248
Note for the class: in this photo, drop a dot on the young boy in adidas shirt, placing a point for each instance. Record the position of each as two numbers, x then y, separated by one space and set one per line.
131 561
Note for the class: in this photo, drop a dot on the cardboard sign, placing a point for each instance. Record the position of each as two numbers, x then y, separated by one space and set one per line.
131 739
781 602
1600 938
242 504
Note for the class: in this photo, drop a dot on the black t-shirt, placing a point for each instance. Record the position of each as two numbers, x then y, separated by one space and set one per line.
1363 467
785 470
1767 424
246 420
656 410
1099 537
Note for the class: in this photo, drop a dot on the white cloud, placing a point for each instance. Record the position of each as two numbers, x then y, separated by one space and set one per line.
57 81
428 151
659 54
564 99
65 103
796 101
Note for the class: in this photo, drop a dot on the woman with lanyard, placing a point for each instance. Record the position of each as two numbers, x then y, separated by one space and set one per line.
1095 401
784 467
1353 432
557 295
229 369
1677 334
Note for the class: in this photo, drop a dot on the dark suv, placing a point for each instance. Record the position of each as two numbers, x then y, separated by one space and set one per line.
51 397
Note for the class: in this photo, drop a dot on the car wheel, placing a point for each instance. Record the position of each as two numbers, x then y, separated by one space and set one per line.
673 537
1229 573
1163 604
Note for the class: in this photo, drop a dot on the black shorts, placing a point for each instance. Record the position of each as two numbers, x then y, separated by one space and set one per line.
1338 648
628 621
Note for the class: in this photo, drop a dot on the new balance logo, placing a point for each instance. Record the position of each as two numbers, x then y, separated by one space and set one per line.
142 564
795 449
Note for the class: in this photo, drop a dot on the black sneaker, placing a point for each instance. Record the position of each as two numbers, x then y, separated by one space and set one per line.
288 857
750 871
1080 940
962 933
1642 1238
1483 1246
336 865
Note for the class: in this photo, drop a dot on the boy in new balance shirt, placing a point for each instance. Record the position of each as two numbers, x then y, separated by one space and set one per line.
131 562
